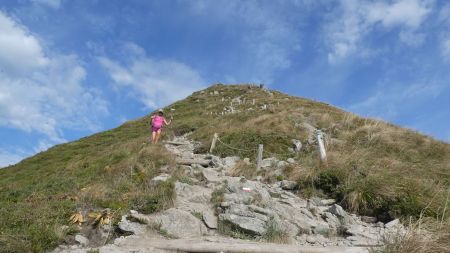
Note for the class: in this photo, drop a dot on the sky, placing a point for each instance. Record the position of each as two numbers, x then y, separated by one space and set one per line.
71 68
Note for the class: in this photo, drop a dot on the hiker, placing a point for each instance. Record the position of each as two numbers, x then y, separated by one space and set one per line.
158 121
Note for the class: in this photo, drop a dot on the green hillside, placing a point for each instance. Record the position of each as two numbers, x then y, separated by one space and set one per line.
374 167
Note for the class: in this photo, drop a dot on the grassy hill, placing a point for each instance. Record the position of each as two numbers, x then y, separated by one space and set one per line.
374 167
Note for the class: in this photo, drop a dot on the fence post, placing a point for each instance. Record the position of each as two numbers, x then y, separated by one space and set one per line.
213 143
323 154
259 157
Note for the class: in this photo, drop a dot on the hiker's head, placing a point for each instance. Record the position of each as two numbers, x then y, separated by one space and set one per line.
160 112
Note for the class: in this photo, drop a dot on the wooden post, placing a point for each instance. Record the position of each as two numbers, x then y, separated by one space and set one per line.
259 157
213 143
323 154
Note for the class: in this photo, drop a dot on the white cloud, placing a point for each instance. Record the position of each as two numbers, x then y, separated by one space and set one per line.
8 157
356 19
20 52
445 48
155 82
55 4
45 97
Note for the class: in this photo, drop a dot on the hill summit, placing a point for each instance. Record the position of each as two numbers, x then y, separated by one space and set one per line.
373 168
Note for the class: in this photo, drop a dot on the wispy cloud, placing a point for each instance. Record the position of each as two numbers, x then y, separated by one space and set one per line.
10 157
391 99
43 92
354 20
154 82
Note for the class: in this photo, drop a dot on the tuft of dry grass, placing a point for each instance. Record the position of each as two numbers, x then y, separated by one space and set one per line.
427 236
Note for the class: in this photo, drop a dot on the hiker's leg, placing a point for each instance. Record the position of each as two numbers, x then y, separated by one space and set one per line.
158 133
153 137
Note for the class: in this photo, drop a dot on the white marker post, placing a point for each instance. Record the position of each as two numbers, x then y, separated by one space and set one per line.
323 154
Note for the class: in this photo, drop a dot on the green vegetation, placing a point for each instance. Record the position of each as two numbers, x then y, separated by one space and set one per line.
374 167
275 233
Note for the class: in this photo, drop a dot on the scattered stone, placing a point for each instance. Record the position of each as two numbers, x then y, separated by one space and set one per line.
337 210
392 224
269 162
81 240
288 185
210 175
161 178
297 145
247 161
368 219
327 202
291 160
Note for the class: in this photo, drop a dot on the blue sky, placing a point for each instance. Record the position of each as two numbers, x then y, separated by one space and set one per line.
72 68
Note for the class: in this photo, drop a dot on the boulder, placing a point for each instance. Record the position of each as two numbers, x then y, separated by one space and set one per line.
337 210
392 224
290 160
250 225
181 224
131 227
210 175
210 220
288 185
81 240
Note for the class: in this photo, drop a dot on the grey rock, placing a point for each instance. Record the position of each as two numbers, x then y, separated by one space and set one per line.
282 164
392 224
230 162
247 161
297 145
322 228
368 219
81 240
291 160
210 220
132 227
337 210
288 185
327 202
210 175
181 224
311 239
331 219
161 178
269 162
250 225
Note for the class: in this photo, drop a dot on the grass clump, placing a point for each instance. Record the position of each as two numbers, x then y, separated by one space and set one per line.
275 233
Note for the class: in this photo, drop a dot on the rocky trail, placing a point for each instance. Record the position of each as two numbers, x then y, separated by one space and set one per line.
212 210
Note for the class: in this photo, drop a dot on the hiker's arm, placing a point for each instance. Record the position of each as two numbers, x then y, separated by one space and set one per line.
167 123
